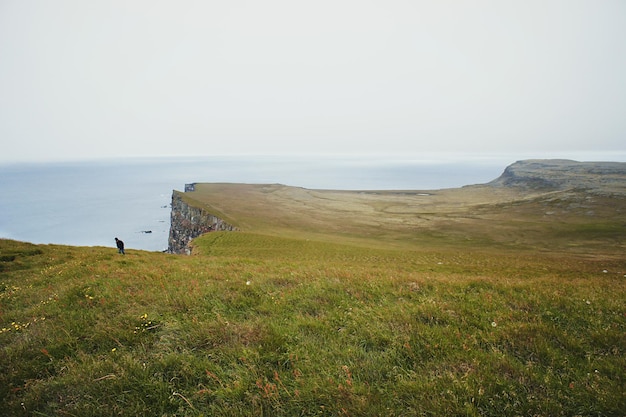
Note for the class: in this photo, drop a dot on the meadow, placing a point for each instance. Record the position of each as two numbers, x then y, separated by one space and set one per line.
302 315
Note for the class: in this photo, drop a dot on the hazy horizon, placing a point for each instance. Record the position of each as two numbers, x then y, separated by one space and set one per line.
503 159
90 202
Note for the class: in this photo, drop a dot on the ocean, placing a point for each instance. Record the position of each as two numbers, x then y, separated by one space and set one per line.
89 203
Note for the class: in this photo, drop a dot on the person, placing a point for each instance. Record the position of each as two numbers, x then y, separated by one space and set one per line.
120 246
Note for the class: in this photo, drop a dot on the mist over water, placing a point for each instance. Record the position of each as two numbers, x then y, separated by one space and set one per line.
90 203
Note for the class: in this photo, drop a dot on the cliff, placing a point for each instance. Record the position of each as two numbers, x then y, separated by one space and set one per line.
563 174
559 181
190 220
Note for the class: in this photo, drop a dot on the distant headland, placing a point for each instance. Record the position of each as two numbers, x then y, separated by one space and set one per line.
565 174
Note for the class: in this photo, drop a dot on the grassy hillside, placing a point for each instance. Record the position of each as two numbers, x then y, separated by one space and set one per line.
507 218
303 313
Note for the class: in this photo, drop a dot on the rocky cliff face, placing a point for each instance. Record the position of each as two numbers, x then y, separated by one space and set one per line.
188 222
562 174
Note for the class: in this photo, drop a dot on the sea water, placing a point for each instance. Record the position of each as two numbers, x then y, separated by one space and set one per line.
89 203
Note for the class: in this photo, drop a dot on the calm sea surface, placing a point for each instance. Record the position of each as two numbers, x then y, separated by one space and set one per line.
91 203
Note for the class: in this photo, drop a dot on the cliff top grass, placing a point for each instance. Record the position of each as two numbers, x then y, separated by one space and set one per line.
571 221
330 303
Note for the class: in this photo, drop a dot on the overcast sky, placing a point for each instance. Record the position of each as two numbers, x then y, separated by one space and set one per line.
105 78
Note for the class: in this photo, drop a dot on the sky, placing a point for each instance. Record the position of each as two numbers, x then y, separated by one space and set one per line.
117 78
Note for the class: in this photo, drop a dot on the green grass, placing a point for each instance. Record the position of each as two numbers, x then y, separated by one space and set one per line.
472 302
261 325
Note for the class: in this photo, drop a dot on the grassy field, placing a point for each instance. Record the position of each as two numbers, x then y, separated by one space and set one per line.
330 304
